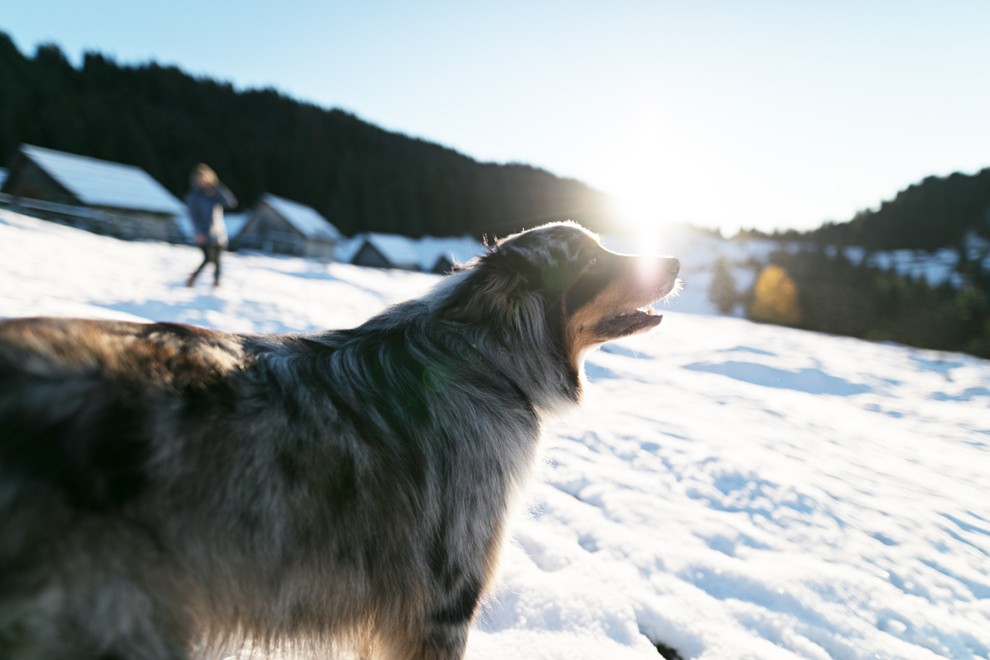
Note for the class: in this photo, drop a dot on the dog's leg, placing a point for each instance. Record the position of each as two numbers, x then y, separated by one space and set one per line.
443 635
441 642
436 641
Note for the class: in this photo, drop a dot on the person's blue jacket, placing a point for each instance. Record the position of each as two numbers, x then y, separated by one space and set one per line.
206 212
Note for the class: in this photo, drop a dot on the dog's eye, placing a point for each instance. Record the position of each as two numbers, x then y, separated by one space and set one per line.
591 262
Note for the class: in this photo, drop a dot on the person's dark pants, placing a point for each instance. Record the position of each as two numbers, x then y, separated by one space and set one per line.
211 255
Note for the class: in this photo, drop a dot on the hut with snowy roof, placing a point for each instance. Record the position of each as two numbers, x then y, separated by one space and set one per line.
376 250
286 227
427 254
99 195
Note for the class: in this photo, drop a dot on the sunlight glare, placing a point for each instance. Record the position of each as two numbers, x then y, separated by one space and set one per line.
641 222
640 166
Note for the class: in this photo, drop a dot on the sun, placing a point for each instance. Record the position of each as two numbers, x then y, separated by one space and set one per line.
638 183
640 220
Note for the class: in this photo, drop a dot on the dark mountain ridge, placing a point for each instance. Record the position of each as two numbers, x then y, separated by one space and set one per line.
934 213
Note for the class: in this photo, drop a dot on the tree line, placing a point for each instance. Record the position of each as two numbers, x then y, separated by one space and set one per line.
359 176
937 212
934 213
821 290
817 288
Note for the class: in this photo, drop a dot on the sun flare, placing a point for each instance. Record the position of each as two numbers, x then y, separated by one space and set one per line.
641 222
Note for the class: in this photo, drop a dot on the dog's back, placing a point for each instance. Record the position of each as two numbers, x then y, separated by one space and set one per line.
80 400
82 404
160 482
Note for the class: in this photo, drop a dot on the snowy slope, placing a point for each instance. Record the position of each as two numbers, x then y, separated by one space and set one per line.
728 489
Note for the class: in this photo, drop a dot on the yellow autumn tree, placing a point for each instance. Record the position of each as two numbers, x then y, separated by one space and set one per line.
775 297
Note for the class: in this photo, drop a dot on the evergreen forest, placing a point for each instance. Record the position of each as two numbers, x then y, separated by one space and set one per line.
359 176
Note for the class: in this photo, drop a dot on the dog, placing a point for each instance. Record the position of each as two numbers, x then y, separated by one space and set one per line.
166 489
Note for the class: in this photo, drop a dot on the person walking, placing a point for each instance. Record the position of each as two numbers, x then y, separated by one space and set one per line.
206 202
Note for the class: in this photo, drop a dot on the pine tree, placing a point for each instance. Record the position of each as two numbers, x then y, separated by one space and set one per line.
722 290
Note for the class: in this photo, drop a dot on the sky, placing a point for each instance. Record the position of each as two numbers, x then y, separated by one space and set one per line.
763 114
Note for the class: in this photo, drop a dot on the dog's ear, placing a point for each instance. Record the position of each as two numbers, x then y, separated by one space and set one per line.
496 289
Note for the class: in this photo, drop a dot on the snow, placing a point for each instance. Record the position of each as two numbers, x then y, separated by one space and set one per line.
935 268
103 183
727 489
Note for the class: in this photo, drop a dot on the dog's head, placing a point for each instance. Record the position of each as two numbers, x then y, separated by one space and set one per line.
558 283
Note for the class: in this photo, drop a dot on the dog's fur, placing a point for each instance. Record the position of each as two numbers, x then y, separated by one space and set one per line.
164 486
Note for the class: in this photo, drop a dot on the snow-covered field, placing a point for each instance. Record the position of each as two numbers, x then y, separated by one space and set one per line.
729 490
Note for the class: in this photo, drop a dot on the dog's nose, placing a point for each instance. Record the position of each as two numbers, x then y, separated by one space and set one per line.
671 265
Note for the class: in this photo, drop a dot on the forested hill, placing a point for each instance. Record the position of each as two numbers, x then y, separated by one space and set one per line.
935 213
359 176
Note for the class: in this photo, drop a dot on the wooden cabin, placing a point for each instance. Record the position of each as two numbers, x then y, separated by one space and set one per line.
282 226
98 195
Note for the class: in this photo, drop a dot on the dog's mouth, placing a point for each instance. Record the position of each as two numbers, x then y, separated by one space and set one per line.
630 321
634 320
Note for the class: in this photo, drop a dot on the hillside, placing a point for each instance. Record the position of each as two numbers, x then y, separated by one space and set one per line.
934 213
916 270
359 176
727 490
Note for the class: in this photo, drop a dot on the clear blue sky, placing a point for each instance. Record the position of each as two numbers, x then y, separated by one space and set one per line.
756 114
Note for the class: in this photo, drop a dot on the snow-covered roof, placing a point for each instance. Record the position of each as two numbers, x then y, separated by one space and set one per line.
411 253
399 250
235 222
103 183
455 249
304 218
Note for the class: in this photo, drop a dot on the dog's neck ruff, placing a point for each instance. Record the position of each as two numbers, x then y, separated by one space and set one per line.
524 350
528 360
